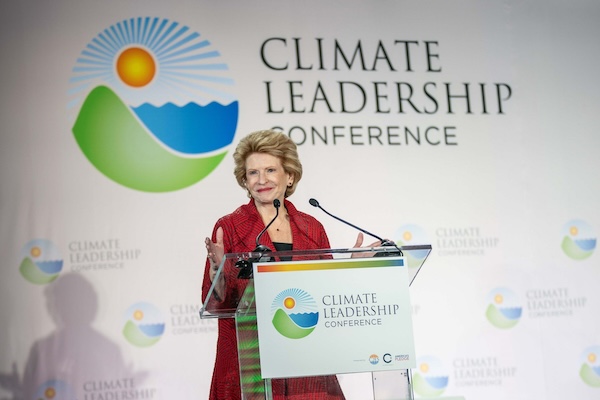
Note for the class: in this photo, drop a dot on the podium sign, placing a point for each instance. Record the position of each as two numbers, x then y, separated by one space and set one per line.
322 317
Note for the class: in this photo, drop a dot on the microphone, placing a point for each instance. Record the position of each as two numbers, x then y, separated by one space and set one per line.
260 247
384 242
245 266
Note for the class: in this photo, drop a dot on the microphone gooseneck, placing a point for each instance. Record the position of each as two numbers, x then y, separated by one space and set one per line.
245 266
384 242
315 203
260 247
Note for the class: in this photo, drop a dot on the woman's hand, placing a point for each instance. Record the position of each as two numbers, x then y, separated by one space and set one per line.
359 241
215 252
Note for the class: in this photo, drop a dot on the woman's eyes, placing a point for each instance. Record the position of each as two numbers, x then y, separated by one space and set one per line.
268 170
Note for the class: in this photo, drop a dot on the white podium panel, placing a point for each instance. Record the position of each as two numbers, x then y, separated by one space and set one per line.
333 316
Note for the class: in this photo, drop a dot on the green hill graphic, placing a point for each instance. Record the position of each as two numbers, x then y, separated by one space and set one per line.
113 140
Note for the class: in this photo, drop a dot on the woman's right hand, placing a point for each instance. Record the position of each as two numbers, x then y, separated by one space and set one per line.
215 252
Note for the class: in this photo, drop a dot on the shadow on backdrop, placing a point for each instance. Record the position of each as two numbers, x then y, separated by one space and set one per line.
75 353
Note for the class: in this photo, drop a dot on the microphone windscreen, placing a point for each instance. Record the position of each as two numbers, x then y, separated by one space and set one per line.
276 203
313 202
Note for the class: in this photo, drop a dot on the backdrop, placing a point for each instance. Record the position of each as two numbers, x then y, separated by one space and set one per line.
471 126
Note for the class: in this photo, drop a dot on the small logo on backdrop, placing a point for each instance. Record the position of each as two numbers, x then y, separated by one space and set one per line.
374 359
590 366
55 390
579 239
430 378
154 109
144 324
504 309
295 313
409 235
41 262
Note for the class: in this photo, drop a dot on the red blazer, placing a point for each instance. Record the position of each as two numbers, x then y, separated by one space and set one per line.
240 229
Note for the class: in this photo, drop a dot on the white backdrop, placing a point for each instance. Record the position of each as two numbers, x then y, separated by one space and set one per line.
100 282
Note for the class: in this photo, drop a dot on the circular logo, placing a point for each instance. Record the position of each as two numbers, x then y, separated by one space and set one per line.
590 366
430 379
295 313
504 309
153 105
41 262
374 359
144 325
579 239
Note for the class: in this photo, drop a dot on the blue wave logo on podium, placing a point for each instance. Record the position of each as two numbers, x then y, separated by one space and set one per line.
430 378
144 324
590 366
41 262
295 313
504 309
153 105
579 239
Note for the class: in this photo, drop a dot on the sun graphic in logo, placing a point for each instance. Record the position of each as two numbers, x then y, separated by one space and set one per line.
136 67
144 324
35 252
138 315
295 313
152 105
289 303
503 310
50 393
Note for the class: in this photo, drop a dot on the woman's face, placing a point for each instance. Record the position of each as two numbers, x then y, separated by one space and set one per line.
266 179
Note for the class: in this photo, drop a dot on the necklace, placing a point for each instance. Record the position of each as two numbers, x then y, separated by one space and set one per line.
281 222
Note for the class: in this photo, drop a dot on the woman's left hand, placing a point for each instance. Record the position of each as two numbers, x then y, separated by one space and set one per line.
359 241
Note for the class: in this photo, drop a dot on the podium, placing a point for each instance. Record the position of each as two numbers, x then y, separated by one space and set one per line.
315 313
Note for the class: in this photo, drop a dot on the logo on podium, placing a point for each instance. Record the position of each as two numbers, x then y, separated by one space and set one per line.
295 313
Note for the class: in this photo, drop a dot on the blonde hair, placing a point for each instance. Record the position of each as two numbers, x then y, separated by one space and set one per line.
270 142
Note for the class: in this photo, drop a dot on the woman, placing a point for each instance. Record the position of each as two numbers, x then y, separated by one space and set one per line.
268 168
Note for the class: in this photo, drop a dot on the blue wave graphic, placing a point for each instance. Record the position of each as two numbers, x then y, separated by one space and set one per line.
586 244
306 320
152 330
50 267
191 129
511 313
437 382
596 370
